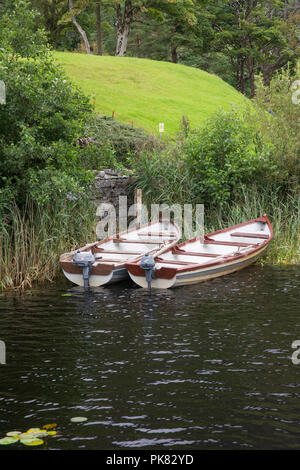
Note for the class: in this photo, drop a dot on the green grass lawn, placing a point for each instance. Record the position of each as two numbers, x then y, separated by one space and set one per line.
148 92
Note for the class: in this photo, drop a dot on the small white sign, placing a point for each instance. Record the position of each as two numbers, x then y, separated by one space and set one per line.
161 127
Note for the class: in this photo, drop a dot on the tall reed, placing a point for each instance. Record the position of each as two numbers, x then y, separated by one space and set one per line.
32 239
283 212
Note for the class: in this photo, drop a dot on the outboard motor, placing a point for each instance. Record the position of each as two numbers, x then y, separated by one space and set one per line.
84 260
148 264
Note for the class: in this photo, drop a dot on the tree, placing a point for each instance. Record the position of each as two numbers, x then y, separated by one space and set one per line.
91 10
187 23
255 36
51 12
128 11
125 15
79 28
172 32
99 27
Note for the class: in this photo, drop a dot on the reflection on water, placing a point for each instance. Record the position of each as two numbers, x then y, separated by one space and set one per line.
203 367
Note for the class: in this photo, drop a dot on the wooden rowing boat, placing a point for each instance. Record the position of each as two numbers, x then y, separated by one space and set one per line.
103 262
202 258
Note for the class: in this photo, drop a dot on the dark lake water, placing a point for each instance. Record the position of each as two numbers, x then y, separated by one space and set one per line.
203 367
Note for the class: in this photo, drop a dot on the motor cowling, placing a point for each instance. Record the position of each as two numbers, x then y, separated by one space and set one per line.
148 264
85 260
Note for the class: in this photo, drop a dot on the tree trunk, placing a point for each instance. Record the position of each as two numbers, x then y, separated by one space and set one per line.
124 21
267 70
122 40
99 28
174 54
285 10
250 66
80 30
241 74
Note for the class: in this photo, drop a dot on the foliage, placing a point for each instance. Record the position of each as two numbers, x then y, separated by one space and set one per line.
163 177
258 36
41 120
225 156
278 116
212 165
233 150
19 33
32 238
60 36
123 140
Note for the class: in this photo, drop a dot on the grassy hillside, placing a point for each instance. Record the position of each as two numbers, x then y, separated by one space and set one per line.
148 92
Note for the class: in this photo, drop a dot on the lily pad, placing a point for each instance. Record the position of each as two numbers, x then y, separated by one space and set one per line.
41 434
51 433
78 419
13 433
50 426
8 440
66 295
34 434
25 435
32 442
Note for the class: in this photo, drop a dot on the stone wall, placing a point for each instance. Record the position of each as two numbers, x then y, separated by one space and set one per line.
109 185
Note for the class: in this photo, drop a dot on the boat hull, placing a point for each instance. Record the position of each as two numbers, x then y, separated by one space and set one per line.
98 280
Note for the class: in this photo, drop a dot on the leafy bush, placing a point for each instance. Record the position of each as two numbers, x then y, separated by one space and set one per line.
42 119
278 120
125 140
225 156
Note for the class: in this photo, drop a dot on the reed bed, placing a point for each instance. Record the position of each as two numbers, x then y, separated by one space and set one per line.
284 214
32 239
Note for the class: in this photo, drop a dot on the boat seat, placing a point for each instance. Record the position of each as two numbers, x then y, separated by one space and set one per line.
179 251
158 234
218 242
112 252
145 242
165 261
110 260
250 235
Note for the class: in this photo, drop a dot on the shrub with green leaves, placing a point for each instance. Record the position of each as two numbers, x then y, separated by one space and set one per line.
125 141
39 124
43 119
277 116
224 157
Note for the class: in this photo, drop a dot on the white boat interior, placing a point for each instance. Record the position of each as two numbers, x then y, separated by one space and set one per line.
215 246
135 243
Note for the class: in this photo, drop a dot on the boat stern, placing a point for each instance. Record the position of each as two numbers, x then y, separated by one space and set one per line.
164 277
